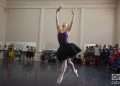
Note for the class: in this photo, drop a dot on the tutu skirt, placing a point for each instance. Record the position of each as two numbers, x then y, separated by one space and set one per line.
68 50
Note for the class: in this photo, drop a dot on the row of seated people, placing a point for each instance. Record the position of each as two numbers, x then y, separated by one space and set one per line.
103 55
10 54
93 55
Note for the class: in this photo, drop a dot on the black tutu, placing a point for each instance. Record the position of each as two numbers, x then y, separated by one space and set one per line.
68 50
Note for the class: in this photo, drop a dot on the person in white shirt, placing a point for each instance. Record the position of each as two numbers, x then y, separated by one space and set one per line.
97 54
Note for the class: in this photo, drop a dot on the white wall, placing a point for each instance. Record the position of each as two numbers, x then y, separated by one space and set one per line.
94 22
23 25
3 13
118 22
99 26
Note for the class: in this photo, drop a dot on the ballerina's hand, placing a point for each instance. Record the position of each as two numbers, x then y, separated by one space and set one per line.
73 11
58 9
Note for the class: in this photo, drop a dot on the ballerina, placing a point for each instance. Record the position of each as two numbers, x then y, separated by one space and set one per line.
66 50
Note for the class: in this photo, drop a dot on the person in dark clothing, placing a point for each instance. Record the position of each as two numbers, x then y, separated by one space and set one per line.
105 54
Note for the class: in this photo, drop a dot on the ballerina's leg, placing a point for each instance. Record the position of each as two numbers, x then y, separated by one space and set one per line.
72 66
63 70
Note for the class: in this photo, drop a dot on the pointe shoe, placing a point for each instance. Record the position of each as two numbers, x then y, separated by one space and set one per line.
59 80
76 72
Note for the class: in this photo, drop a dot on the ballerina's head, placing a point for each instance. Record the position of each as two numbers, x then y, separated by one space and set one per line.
64 25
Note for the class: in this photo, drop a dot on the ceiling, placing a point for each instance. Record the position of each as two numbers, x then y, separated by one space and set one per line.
61 0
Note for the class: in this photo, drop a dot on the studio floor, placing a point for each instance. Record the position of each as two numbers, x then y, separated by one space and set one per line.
38 74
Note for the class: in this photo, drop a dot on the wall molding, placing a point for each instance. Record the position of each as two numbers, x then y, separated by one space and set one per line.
66 4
